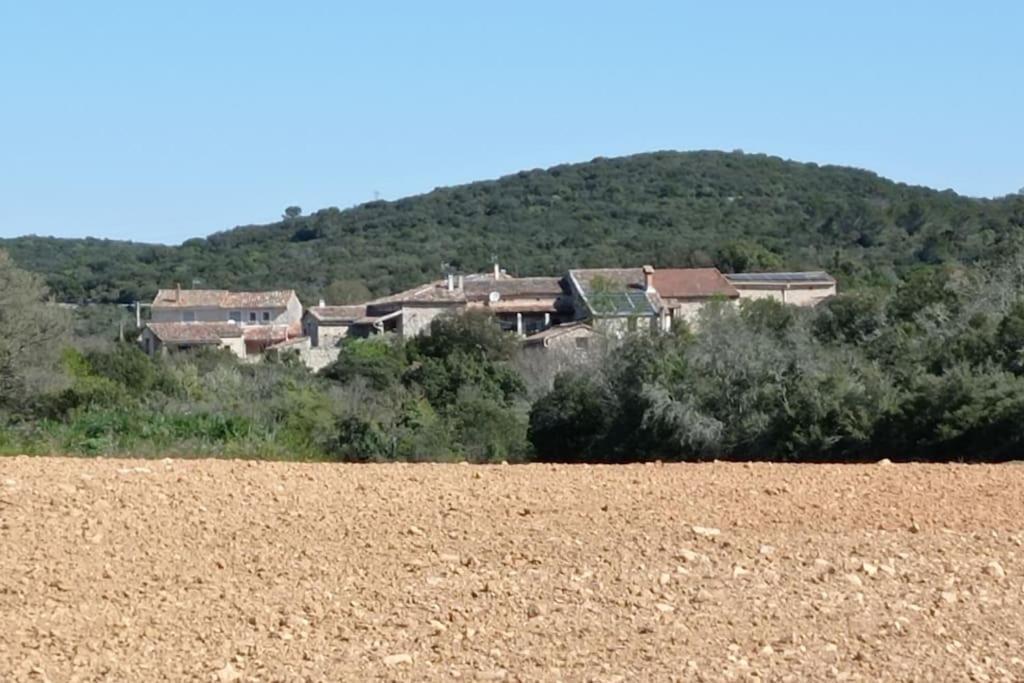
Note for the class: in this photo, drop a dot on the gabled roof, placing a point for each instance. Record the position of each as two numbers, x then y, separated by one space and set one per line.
215 333
221 298
272 333
692 283
194 333
803 277
543 337
476 287
338 315
615 292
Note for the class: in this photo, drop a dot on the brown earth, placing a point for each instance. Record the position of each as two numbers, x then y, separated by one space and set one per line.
224 571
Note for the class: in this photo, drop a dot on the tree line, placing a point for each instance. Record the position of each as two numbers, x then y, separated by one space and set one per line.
931 368
732 210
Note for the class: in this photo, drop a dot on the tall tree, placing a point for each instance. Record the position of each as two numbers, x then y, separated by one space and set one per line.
32 335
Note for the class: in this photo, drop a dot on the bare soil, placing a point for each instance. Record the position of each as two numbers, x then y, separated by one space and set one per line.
242 571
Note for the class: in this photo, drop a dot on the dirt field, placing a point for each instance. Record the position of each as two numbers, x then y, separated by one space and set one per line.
238 571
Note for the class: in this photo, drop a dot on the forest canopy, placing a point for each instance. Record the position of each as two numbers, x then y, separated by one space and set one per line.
733 210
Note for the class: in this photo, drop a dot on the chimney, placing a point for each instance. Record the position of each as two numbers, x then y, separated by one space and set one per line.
462 282
322 303
451 282
177 292
649 278
497 271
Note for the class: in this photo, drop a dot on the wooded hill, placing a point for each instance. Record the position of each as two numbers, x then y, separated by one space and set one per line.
737 211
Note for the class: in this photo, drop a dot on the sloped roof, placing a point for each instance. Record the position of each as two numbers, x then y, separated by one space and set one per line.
221 298
271 333
476 287
615 292
541 338
691 283
801 277
337 314
194 333
511 287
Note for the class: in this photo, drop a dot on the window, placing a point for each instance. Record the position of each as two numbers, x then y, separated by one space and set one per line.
266 316
235 316
582 342
188 316
252 316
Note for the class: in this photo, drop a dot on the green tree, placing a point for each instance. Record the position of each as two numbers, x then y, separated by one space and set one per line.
344 292
32 334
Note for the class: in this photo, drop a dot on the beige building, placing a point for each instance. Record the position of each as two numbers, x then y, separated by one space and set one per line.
571 337
247 323
684 291
798 288
523 305
326 326
616 301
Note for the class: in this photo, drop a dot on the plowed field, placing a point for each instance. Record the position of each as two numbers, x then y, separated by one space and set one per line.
243 571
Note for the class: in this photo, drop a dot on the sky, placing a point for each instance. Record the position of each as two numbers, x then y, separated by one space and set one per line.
160 122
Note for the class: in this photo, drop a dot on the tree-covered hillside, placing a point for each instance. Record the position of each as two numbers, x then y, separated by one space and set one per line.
733 210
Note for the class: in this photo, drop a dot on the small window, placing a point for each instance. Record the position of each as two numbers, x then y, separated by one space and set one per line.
266 316
235 316
631 324
582 342
252 316
188 316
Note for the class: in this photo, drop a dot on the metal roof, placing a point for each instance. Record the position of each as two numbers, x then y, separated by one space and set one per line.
803 277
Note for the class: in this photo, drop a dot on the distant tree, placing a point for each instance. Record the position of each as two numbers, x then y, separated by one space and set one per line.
292 212
32 334
342 292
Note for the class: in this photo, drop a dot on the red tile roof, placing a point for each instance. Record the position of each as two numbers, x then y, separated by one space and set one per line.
692 283
271 333
194 333
221 298
337 314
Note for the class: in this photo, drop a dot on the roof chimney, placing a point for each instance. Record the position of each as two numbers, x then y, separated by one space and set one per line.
649 278
462 282
497 271
177 292
322 303
451 282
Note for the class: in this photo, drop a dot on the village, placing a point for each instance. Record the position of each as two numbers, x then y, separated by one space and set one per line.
547 313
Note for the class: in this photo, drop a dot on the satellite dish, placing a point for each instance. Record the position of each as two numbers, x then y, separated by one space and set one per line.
494 297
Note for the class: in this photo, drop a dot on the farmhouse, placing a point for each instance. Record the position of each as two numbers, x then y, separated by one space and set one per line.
562 313
799 289
684 291
523 305
247 323
617 301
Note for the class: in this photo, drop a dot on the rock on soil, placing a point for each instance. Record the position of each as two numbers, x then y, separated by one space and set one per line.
242 571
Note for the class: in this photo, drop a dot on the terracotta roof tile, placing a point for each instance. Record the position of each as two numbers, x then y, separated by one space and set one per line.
194 333
337 314
221 298
692 283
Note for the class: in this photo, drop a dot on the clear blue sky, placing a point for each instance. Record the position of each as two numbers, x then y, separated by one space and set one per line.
164 121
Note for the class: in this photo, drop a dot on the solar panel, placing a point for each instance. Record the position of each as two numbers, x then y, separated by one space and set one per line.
815 276
621 304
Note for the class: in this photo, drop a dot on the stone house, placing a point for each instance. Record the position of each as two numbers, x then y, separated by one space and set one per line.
798 288
617 301
523 305
684 291
326 326
574 337
247 323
